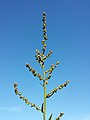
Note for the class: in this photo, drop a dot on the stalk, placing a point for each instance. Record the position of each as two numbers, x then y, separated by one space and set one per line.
44 83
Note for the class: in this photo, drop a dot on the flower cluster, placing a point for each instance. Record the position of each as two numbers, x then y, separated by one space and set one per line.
34 72
24 98
61 114
40 58
44 33
57 88
51 70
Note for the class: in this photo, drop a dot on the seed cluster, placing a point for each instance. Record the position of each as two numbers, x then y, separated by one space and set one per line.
24 98
57 88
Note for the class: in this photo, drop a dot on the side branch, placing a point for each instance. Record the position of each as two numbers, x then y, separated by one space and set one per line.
57 88
34 72
24 98
48 55
51 70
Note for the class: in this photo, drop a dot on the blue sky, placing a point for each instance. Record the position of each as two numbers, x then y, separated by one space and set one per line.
68 29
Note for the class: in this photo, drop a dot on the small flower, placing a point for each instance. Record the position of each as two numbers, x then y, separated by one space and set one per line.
65 85
55 90
43 42
32 70
27 103
51 51
21 97
44 14
45 37
46 71
44 24
44 30
50 70
44 49
32 105
42 67
57 63
37 108
39 76
44 19
46 82
60 87
68 81
19 93
37 50
43 27
52 66
44 57
26 100
48 77
35 74
15 84
16 91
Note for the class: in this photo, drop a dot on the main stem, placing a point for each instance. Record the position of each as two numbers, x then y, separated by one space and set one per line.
44 83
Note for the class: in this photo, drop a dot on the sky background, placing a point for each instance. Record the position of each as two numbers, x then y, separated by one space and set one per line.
68 29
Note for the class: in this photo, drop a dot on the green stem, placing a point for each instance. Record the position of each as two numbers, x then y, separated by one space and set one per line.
44 83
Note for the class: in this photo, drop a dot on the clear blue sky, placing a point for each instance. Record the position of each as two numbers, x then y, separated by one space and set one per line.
68 29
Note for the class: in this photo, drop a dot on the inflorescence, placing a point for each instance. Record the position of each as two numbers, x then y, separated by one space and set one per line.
40 58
